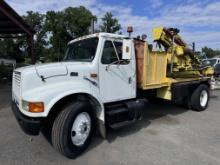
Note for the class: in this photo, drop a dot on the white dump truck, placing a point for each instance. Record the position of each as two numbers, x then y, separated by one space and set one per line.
103 82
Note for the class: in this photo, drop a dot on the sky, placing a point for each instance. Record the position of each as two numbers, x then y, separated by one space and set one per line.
198 20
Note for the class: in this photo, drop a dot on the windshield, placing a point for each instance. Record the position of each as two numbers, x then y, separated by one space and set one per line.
82 51
212 62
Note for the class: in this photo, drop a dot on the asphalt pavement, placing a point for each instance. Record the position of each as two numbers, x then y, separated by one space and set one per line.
167 135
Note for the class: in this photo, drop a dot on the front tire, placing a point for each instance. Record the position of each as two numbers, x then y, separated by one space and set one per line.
72 129
200 98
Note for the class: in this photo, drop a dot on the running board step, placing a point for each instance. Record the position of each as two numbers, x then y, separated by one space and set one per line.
116 111
121 124
121 114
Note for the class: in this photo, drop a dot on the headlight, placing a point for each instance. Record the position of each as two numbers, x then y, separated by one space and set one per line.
25 105
34 107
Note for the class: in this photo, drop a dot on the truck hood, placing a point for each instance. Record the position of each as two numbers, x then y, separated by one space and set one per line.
54 69
46 70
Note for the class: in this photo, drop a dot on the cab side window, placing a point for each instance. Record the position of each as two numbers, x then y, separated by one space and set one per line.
109 55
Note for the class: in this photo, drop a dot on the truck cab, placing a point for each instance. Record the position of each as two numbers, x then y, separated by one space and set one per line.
93 65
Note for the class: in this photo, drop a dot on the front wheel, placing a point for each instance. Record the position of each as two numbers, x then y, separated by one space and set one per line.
200 98
72 129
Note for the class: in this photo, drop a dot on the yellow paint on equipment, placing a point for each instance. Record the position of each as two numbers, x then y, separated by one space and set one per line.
157 32
209 71
179 50
154 69
164 93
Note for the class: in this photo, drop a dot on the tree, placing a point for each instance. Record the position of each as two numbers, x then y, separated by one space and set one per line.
109 24
10 48
77 21
56 34
64 26
36 21
17 48
210 53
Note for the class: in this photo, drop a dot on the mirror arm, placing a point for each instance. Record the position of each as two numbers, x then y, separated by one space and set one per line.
115 62
116 51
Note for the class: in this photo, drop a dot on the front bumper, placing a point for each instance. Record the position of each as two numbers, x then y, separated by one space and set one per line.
30 126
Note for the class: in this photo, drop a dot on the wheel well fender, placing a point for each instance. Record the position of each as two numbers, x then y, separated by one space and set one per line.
95 103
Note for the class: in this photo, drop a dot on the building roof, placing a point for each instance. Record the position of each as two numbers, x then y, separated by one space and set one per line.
11 22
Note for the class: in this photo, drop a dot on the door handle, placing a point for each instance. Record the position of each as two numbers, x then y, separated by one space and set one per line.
129 80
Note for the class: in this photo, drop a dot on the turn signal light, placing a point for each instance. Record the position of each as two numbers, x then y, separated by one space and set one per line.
93 75
36 107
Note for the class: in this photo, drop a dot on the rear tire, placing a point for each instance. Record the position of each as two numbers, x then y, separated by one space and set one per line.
200 98
72 129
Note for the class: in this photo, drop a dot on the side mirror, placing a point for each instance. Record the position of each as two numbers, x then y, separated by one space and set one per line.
127 49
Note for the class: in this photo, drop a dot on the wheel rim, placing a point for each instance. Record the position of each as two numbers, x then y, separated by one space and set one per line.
81 128
203 98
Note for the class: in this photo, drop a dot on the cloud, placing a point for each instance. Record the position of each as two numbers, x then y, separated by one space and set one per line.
194 15
156 3
198 21
43 6
203 38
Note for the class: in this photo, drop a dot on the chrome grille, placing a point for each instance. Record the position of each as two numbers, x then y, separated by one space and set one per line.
17 78
16 83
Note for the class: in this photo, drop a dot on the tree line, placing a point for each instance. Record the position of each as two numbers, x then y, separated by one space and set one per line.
54 30
209 52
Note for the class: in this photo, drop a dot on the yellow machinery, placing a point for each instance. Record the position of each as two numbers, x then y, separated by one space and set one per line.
181 60
174 63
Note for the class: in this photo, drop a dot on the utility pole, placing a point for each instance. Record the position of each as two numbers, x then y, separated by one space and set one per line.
93 24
